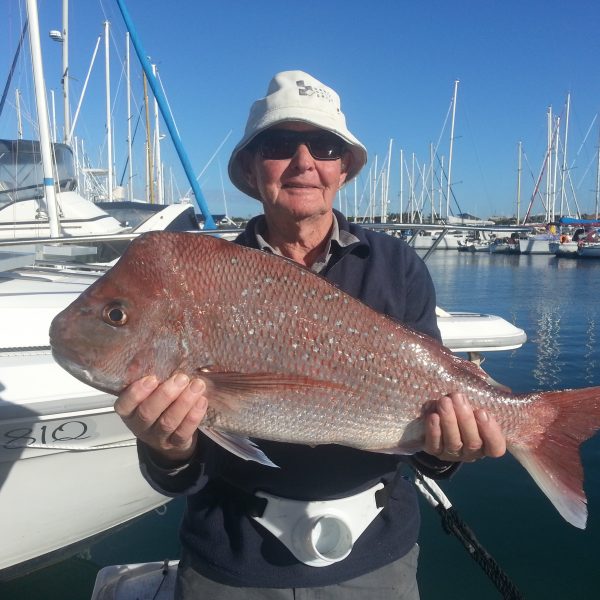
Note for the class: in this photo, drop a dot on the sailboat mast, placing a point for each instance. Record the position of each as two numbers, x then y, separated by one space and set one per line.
448 187
431 183
129 142
412 188
83 90
441 189
519 171
555 145
108 112
401 219
384 207
598 177
157 157
65 71
149 167
549 154
42 110
564 165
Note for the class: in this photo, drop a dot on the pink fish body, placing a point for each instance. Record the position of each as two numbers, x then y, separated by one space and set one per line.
288 357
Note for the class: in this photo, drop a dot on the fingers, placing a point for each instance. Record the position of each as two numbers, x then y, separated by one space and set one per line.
181 420
165 405
493 438
455 432
165 416
138 391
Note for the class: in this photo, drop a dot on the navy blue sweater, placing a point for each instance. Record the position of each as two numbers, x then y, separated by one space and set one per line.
221 540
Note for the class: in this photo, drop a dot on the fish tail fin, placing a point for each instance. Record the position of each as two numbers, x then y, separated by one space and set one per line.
552 457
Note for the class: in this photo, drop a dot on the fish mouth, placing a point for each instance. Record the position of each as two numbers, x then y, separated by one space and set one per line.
88 376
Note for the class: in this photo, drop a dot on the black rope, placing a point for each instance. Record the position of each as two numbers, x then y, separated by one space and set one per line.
453 524
165 573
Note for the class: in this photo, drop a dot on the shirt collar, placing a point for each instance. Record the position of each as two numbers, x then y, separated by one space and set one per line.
338 237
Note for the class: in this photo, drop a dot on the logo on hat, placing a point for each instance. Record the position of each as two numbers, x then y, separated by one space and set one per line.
309 90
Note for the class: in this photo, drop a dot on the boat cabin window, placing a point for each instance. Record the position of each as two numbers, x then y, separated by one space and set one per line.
21 173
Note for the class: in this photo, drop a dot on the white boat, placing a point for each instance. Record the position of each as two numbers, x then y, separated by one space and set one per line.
537 244
450 240
473 333
505 245
68 465
564 248
23 209
142 581
589 250
467 219
475 246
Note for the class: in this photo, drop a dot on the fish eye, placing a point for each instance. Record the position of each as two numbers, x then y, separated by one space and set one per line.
114 314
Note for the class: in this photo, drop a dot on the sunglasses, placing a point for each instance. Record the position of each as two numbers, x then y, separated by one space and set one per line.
282 144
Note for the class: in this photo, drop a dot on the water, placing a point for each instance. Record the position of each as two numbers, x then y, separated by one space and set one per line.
556 302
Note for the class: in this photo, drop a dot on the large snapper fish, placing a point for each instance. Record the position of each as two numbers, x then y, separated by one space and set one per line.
286 356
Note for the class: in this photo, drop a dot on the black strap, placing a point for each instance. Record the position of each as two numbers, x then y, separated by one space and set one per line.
252 505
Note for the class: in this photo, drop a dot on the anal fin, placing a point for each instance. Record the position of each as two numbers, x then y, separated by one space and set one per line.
240 446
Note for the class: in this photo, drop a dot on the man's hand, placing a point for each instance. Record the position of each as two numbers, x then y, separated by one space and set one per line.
165 417
456 432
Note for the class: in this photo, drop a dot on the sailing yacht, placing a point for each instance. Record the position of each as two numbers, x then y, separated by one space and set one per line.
23 209
68 465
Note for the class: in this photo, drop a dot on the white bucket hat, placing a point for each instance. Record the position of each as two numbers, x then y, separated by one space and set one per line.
295 96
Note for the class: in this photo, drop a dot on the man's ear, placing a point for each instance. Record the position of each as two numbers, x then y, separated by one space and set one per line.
246 162
347 159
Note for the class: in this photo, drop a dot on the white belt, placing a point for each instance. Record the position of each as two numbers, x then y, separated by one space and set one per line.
322 532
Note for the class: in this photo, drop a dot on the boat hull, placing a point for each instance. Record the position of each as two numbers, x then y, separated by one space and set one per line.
504 248
68 465
57 500
564 249
533 245
450 241
589 250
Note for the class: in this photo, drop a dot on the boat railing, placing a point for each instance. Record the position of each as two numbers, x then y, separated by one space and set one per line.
69 251
444 228
100 238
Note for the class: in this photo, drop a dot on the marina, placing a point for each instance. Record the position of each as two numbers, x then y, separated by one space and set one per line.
517 299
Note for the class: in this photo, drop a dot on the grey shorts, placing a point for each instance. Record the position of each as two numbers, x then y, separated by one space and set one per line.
396 581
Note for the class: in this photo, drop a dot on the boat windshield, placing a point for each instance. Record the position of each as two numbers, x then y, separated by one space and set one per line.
21 173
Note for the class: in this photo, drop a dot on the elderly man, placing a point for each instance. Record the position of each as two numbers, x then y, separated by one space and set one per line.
295 154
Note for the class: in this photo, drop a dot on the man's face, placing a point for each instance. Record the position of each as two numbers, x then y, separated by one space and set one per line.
301 186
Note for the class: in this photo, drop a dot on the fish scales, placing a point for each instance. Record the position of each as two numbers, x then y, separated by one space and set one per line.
327 346
287 356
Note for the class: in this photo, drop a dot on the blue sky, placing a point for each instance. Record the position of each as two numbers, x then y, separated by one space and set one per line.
393 63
